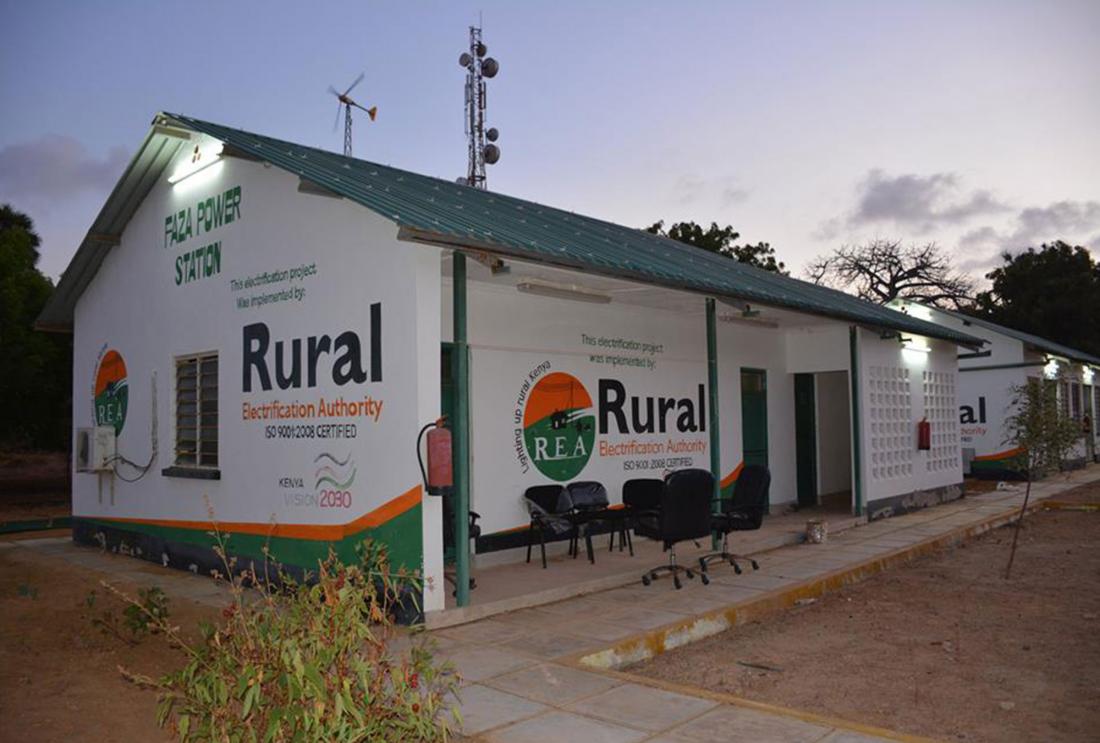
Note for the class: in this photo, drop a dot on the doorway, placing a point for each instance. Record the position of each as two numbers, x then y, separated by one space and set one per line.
833 420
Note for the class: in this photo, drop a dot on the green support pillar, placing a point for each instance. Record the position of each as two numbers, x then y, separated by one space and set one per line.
712 389
461 433
857 423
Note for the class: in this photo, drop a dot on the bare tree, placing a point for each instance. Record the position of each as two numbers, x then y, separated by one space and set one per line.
884 270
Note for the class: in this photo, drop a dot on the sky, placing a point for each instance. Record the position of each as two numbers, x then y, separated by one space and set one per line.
808 125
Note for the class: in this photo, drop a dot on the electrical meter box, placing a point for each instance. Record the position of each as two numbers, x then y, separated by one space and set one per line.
95 449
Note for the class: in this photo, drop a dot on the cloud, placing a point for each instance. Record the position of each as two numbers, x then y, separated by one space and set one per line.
55 167
920 203
1076 222
732 195
691 189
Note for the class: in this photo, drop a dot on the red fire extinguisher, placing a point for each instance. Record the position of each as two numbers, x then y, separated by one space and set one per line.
439 477
924 435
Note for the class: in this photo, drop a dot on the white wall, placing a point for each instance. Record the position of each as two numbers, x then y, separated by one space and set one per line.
834 438
135 306
898 387
512 334
985 398
820 348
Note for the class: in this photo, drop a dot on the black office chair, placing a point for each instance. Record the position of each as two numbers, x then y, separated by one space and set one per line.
743 512
641 497
551 509
683 514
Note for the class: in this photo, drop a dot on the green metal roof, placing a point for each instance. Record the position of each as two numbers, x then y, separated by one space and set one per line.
440 212
1032 340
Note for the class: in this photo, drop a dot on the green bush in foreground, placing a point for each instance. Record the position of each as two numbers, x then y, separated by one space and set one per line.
306 662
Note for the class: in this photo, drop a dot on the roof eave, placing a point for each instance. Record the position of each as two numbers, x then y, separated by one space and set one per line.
460 242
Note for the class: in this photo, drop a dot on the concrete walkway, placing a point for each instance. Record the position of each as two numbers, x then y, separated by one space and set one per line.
554 672
551 673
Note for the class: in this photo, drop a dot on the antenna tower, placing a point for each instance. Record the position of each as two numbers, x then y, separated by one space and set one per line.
478 69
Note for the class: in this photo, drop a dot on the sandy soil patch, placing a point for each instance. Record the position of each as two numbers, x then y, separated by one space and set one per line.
944 647
59 676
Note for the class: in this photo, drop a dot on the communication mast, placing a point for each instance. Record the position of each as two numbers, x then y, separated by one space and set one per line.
478 69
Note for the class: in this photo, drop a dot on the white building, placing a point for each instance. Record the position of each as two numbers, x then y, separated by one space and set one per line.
987 377
266 326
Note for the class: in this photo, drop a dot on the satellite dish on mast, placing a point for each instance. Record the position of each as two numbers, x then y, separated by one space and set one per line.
480 140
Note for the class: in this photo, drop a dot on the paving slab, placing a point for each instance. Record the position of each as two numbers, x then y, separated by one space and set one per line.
553 684
484 708
487 631
729 724
549 642
642 707
563 727
480 662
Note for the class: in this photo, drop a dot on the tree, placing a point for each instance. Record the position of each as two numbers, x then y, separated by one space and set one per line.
884 270
35 368
1044 434
720 240
1053 292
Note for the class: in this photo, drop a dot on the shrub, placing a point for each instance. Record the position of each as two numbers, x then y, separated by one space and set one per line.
141 616
306 661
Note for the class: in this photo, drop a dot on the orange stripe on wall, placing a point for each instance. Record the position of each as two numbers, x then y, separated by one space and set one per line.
320 532
1000 455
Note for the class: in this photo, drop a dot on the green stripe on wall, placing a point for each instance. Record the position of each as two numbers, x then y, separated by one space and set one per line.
402 535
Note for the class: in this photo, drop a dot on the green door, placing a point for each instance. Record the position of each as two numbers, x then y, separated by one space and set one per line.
805 438
754 416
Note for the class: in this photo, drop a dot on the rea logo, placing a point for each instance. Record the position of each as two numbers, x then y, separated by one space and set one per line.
559 426
111 391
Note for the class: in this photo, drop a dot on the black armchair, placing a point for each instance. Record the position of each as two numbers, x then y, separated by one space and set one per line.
743 512
551 508
683 514
591 505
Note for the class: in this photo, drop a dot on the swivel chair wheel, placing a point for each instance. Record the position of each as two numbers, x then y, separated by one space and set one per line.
755 566
705 578
689 574
703 564
737 568
646 580
676 582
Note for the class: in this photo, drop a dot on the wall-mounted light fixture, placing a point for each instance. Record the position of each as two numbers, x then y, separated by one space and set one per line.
908 344
201 158
1050 371
562 291
1087 375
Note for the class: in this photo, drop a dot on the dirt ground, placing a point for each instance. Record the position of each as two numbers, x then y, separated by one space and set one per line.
59 676
944 648
33 485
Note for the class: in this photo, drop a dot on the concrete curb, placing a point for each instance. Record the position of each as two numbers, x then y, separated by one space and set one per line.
646 645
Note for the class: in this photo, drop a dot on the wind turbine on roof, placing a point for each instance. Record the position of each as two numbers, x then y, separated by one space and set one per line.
345 100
